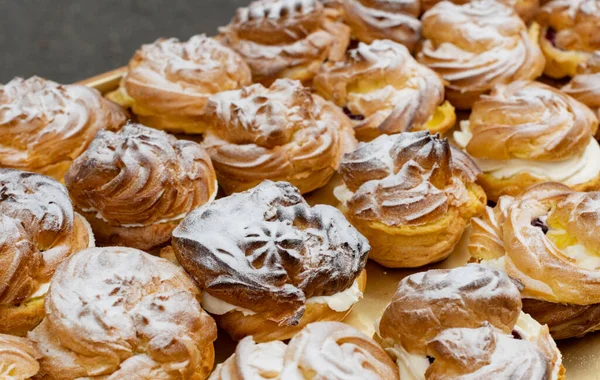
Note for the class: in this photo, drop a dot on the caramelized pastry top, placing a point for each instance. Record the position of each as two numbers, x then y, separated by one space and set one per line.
275 35
43 123
177 77
407 178
38 230
141 175
324 349
268 244
131 312
276 132
477 45
549 239
383 86
529 120
395 20
17 358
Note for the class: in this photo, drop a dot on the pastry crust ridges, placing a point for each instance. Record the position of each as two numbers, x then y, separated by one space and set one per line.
44 126
169 81
268 244
38 230
412 195
18 358
384 89
527 9
116 312
286 38
476 46
282 133
135 185
330 349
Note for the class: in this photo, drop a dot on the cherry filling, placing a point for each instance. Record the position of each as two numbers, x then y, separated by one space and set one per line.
491 204
516 335
537 222
353 116
431 359
551 36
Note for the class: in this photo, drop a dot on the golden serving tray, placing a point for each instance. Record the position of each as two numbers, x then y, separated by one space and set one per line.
581 357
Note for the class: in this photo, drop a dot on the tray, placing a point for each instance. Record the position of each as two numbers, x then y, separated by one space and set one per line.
581 357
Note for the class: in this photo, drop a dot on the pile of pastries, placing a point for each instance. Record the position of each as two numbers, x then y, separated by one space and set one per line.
136 226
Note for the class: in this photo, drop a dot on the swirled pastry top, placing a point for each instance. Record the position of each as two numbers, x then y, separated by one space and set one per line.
477 45
141 175
268 244
396 20
17 358
43 123
275 132
525 8
407 178
574 24
548 239
119 311
529 120
177 77
275 35
38 230
331 350
383 83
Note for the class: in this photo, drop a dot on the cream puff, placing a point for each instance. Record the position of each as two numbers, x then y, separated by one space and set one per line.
168 82
569 35
478 45
18 358
465 323
412 195
44 126
286 38
396 20
384 90
38 230
281 133
547 239
120 313
322 350
526 9
268 263
527 133
134 186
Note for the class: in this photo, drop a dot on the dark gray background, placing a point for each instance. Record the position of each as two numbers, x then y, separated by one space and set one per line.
69 40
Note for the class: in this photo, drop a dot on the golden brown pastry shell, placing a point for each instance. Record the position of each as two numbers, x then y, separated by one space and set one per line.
564 320
19 319
560 63
261 329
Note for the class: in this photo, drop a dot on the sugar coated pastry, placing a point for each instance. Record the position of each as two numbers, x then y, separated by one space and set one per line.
38 230
527 9
412 195
465 323
395 20
286 38
18 358
547 239
169 81
134 186
281 133
269 264
384 90
44 126
569 35
526 133
478 45
322 350
120 313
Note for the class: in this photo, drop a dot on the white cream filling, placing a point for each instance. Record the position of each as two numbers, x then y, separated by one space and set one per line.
582 256
498 264
571 171
41 291
342 193
339 302
99 215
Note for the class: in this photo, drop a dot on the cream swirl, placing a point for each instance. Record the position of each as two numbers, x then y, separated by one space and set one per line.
17 358
476 46
280 133
141 175
269 244
384 87
574 24
286 38
117 312
44 126
527 9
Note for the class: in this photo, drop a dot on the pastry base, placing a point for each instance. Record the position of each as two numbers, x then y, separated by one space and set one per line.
564 320
18 320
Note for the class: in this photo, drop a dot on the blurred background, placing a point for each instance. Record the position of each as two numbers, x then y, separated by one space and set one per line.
69 40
